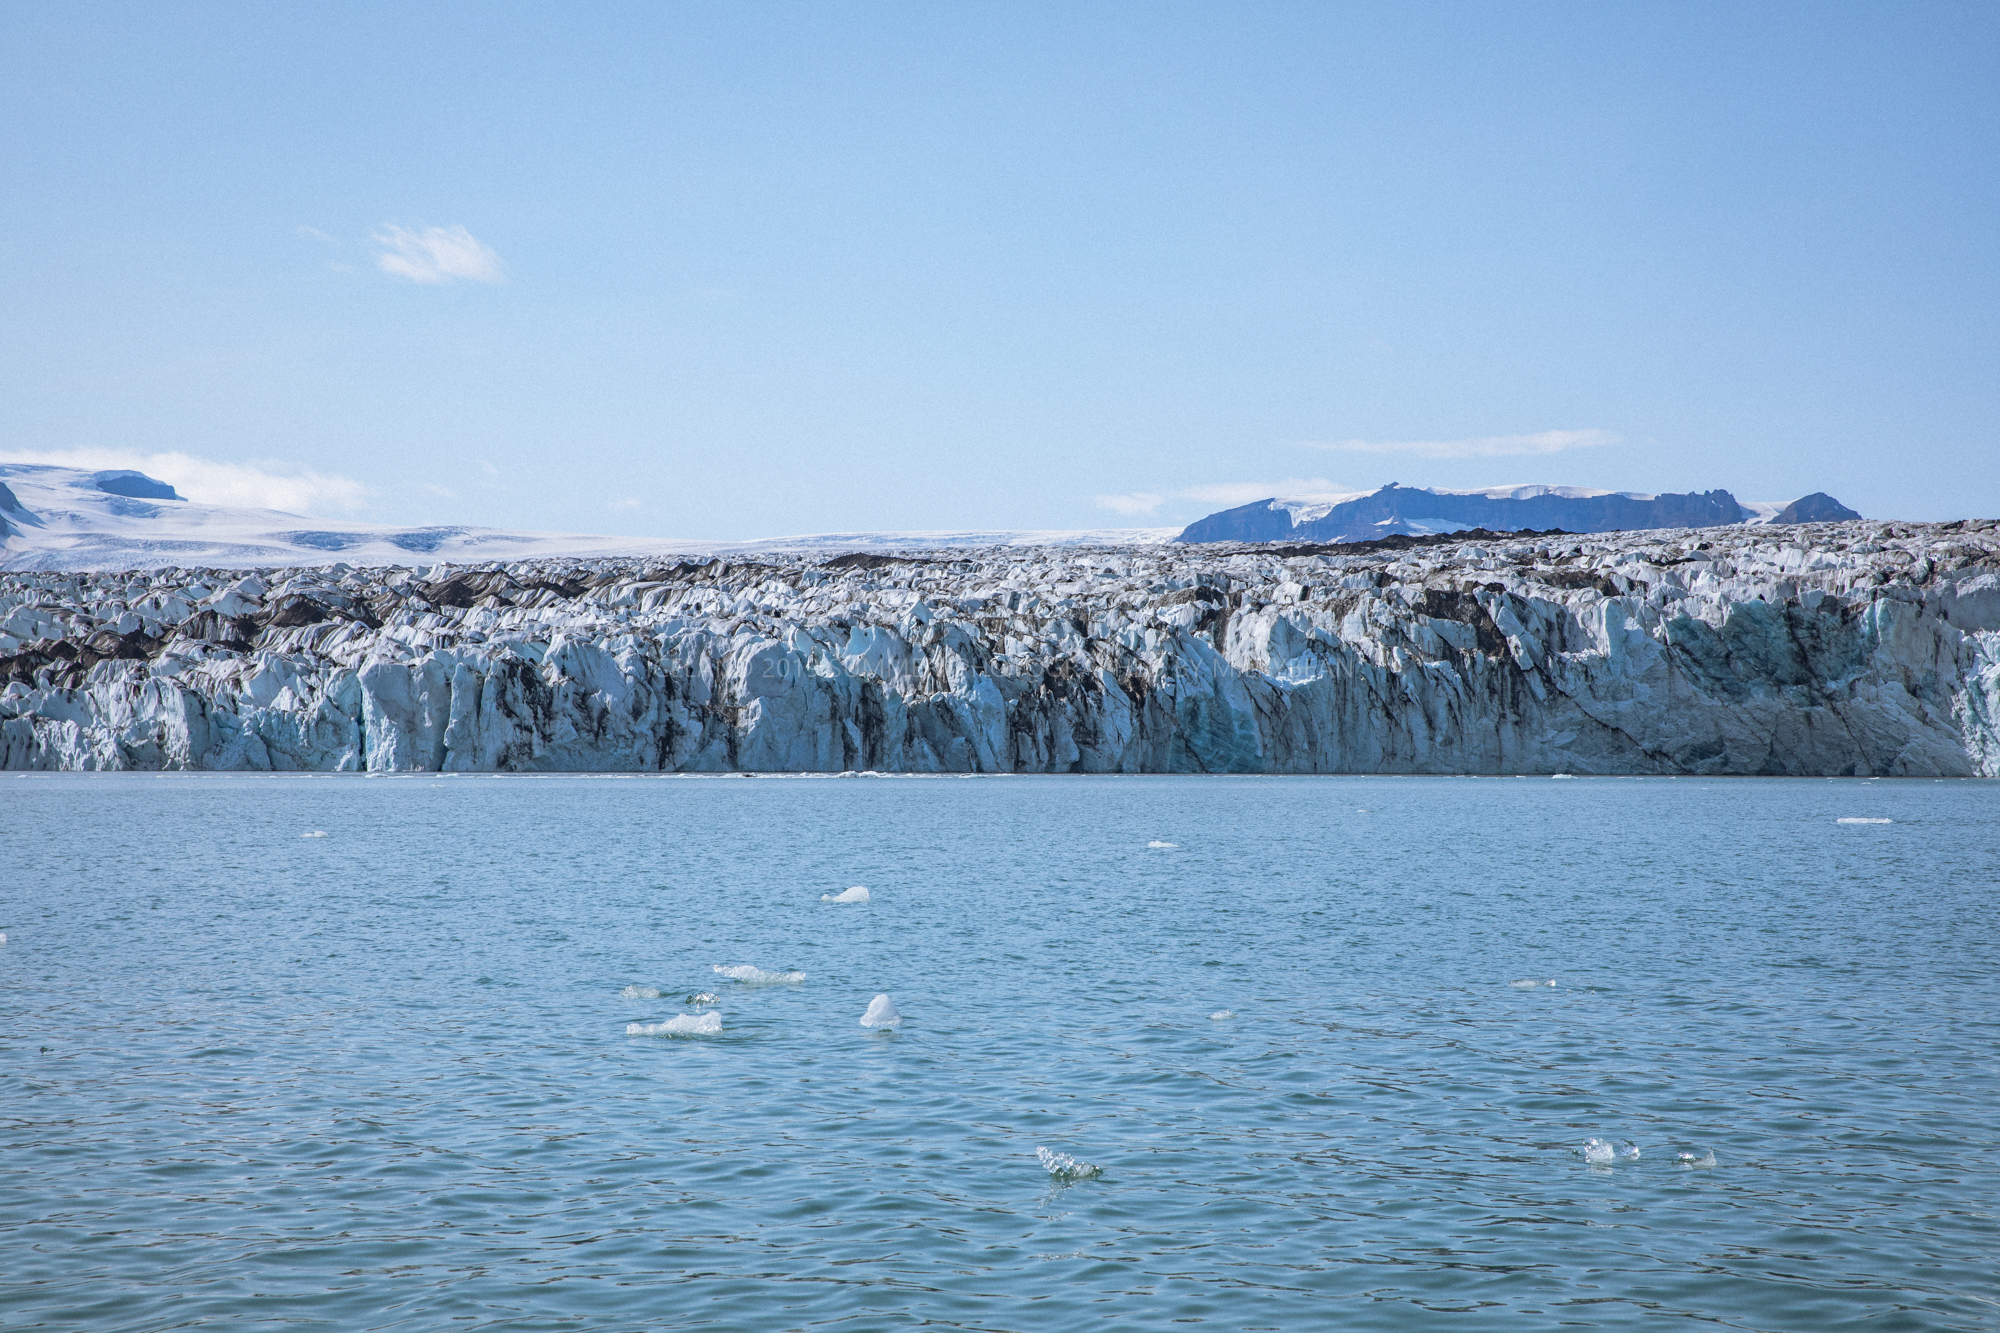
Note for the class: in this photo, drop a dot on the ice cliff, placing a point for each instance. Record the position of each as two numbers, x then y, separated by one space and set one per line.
1835 648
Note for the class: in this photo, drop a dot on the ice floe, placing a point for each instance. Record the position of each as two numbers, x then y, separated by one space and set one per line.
757 976
680 1025
1602 1152
857 894
881 1014
1854 820
640 993
1221 1015
1062 1166
1157 843
316 833
1529 983
1689 1159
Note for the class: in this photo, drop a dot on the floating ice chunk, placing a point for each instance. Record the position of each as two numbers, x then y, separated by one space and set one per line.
881 1014
316 833
640 993
3 937
1599 1151
1529 983
757 976
1221 1015
857 894
1560 776
1064 1167
1864 821
1157 843
703 997
1628 1149
680 1025
1689 1159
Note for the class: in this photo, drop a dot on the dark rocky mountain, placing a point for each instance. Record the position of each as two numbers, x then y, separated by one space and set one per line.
1418 511
1819 507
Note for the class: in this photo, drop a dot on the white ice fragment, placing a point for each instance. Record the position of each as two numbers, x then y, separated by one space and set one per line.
1529 983
3 937
680 1025
639 993
1689 1159
1222 1014
1627 1148
857 894
881 1014
703 997
1863 821
316 833
1064 1167
1157 843
757 976
1554 776
1599 1151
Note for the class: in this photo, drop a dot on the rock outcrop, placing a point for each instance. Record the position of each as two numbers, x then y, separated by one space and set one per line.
1848 648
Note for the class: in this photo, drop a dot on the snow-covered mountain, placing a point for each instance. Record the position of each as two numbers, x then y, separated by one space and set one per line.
70 518
1419 511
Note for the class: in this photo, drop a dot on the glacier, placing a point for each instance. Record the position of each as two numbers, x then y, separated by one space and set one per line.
1844 648
70 518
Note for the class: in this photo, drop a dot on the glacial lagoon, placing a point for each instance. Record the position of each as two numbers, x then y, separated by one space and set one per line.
346 1052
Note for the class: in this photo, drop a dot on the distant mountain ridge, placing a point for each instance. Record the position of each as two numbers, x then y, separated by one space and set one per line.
1420 511
77 519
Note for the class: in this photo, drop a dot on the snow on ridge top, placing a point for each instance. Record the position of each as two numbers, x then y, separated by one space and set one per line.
1530 490
1306 508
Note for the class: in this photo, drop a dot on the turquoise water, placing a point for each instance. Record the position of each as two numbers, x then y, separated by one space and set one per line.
381 1079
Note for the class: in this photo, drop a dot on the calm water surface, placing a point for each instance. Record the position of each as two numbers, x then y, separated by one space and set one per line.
381 1079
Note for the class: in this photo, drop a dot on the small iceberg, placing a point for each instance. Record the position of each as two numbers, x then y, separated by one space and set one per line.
1559 777
1529 983
680 1025
1628 1150
640 993
1599 1152
1864 821
881 1014
857 894
1061 1166
3 937
1157 843
757 976
1221 1015
703 997
316 833
1688 1159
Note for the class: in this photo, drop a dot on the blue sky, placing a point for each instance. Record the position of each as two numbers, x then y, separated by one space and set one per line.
740 270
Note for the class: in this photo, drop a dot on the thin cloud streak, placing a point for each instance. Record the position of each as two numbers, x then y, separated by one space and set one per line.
1229 494
436 255
1479 446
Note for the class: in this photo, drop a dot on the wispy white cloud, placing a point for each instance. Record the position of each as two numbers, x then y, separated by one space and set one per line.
260 485
1132 504
436 254
1478 446
1229 494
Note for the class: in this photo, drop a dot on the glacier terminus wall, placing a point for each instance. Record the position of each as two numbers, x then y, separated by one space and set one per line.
1820 649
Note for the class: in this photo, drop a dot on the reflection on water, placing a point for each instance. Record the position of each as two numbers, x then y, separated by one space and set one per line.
552 1053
